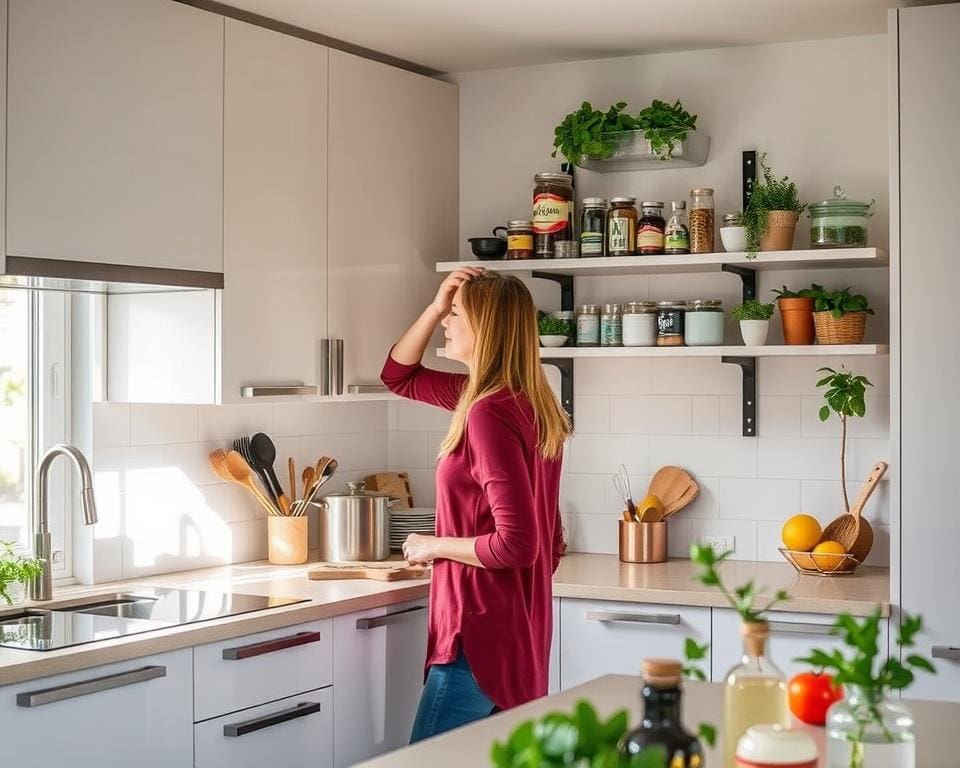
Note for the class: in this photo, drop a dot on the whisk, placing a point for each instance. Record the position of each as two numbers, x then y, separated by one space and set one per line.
621 481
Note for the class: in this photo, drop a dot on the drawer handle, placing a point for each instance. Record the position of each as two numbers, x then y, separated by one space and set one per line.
799 628
270 646
279 390
391 618
95 685
946 652
302 709
634 618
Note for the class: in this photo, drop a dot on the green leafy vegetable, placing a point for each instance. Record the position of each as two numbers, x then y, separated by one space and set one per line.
845 396
665 125
552 326
770 194
693 652
581 133
803 293
752 309
838 303
744 598
16 568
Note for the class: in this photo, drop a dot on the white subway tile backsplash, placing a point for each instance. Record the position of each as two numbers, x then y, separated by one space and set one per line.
694 376
759 499
587 495
607 376
707 504
423 483
705 415
812 458
601 454
731 416
418 417
799 376
115 466
223 423
350 418
613 503
111 425
408 450
592 413
678 536
706 456
651 414
744 534
368 451
154 424
296 419
592 533
778 415
823 499
875 423
192 459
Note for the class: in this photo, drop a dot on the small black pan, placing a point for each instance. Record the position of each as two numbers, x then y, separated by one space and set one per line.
488 248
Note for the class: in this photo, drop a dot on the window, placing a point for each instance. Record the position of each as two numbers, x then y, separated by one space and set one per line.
34 413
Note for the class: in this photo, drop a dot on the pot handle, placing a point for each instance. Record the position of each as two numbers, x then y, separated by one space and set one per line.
497 229
392 502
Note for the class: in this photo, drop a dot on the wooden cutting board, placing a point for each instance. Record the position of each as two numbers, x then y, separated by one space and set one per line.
395 484
388 570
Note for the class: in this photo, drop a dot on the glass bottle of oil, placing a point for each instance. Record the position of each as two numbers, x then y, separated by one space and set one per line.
662 725
755 691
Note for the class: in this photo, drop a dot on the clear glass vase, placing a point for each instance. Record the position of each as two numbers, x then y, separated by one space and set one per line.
866 730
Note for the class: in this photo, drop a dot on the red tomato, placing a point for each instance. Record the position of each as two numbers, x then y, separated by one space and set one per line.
811 695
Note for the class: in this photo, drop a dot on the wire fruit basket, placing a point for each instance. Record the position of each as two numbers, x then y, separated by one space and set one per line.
821 564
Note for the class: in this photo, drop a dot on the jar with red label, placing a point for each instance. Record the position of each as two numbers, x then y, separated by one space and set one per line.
651 228
552 212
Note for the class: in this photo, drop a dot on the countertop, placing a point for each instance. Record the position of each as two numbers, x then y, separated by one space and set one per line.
936 724
600 577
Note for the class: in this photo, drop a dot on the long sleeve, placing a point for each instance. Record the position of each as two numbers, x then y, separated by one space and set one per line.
559 544
500 466
415 382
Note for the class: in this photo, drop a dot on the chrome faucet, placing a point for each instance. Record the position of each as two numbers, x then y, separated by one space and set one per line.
42 586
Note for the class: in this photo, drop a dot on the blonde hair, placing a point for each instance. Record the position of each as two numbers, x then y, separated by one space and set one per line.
506 355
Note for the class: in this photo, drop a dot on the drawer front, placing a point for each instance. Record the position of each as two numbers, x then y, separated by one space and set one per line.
791 635
554 681
600 637
247 671
296 731
944 652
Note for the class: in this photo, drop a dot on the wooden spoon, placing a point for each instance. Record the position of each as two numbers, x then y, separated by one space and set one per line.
242 474
674 487
692 491
308 476
852 531
219 464
292 472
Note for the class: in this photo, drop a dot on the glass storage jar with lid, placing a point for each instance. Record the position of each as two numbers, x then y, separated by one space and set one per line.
552 212
611 326
588 325
839 223
651 228
703 323
701 220
670 323
622 226
519 240
640 324
593 222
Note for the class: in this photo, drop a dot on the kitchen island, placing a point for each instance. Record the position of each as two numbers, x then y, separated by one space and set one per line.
938 742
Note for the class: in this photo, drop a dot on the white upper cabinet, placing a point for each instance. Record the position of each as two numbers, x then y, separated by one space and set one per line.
114 133
274 208
393 203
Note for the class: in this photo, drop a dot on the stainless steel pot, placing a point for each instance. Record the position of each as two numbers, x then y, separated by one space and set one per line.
355 525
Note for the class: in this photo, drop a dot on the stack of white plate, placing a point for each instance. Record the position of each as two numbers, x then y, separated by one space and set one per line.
403 522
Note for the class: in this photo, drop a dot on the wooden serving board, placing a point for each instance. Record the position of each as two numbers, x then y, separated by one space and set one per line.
388 570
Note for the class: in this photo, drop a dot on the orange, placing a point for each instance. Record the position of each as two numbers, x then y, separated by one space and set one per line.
828 555
801 533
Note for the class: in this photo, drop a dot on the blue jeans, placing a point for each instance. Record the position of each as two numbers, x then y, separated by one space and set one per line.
450 698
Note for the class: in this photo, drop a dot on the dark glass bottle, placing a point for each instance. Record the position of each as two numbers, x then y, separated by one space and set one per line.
661 723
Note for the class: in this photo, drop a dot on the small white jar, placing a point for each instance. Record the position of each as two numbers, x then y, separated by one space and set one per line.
773 746
732 235
640 324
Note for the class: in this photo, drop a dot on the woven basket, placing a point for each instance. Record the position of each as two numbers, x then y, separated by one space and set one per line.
846 329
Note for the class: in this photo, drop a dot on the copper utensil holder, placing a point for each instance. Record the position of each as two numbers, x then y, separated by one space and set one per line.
287 539
643 542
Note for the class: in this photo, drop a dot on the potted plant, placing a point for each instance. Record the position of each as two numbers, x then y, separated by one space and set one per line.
554 331
839 316
870 726
770 217
754 317
844 397
796 314
16 571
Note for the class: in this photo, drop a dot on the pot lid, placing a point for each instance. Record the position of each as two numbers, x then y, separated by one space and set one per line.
840 205
359 490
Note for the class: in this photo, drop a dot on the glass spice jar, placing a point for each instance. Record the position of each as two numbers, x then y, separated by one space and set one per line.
703 323
552 212
593 221
519 240
622 226
670 323
640 324
701 220
588 325
677 236
650 228
611 326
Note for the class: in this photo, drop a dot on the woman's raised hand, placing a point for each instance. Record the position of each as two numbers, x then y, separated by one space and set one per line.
444 298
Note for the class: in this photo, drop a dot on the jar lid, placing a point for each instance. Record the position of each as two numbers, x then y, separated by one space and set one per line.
770 744
639 307
520 224
594 202
612 309
358 490
661 673
590 308
701 191
731 218
651 204
673 304
558 178
623 200
678 205
839 205
704 304
563 314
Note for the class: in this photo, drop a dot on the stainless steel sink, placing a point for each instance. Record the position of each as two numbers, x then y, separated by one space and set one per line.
121 606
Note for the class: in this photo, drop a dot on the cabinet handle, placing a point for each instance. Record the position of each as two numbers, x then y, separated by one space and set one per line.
946 652
634 618
799 628
302 709
390 618
278 390
270 646
95 685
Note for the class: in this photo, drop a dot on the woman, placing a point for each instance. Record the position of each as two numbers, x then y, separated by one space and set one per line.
499 534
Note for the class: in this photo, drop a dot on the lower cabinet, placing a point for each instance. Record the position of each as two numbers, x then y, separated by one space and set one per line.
377 679
553 686
296 731
601 637
791 635
133 712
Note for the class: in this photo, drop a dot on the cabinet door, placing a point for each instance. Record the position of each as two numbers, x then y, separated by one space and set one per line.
114 133
553 686
393 203
929 374
378 676
274 306
601 637
791 635
297 731
133 712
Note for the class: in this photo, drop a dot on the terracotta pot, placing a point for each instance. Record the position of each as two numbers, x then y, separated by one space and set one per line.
797 318
780 228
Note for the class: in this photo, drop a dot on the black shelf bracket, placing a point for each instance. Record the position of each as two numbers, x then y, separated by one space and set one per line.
748 392
747 276
566 288
749 170
565 366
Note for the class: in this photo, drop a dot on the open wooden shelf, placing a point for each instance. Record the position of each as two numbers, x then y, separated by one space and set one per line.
770 350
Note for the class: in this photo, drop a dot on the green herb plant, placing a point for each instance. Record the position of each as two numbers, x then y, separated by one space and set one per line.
752 309
16 568
743 599
803 293
579 739
838 303
552 326
770 194
665 125
580 134
845 396
874 677
693 654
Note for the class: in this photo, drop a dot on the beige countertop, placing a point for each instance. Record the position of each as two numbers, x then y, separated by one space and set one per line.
936 724
600 577
604 577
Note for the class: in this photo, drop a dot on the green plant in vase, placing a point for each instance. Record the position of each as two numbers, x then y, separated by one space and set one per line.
754 318
693 654
845 396
770 218
665 125
16 568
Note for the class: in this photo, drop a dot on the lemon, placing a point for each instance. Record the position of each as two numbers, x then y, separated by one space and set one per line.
828 555
801 533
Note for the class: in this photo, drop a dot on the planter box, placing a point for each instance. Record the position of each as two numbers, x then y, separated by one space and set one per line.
633 153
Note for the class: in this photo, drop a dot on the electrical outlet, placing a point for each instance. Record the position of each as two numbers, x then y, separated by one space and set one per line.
720 544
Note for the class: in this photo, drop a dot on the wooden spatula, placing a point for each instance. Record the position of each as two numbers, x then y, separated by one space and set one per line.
674 487
851 531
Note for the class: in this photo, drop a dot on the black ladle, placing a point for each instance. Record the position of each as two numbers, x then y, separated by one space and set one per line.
264 453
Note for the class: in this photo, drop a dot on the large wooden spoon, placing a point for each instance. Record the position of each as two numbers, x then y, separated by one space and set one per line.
242 474
852 531
674 487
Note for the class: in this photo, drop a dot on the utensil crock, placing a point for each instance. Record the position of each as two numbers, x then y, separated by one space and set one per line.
643 542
